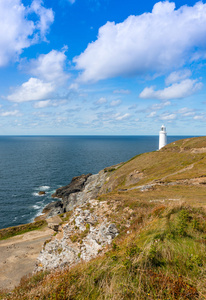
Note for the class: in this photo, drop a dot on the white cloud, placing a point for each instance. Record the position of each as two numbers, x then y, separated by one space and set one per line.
32 90
183 89
168 117
121 92
158 106
119 117
42 104
152 42
152 114
74 86
186 112
9 113
18 31
115 102
49 67
198 117
102 100
183 110
178 76
46 17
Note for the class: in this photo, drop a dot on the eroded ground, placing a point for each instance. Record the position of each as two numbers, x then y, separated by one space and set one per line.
18 256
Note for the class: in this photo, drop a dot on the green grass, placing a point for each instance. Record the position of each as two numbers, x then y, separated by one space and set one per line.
17 230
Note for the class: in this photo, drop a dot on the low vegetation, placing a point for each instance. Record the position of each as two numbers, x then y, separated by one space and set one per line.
17 230
164 259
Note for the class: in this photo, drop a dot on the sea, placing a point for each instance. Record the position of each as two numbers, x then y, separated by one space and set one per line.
29 164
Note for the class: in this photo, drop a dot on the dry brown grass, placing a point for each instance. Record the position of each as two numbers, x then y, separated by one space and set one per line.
157 165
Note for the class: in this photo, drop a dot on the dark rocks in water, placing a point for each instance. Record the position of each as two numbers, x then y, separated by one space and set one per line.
54 208
41 193
52 205
58 207
76 185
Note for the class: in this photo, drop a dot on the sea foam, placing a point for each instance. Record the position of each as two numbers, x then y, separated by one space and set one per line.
37 194
44 187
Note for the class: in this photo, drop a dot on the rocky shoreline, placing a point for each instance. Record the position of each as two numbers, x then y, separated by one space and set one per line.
80 190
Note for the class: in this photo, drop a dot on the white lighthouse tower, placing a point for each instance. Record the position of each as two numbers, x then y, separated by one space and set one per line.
162 137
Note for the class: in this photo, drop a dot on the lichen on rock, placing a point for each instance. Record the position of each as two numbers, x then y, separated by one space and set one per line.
84 236
87 231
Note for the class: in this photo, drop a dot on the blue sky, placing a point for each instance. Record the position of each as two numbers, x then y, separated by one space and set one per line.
102 67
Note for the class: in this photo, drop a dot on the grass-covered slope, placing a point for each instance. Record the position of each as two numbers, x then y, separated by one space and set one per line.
157 201
176 171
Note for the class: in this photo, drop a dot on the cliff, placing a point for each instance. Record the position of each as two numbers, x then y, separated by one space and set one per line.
133 231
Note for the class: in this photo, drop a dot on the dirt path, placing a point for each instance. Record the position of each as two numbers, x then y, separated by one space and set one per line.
18 255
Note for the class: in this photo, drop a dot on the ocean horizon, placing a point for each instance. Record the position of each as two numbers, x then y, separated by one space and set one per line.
33 163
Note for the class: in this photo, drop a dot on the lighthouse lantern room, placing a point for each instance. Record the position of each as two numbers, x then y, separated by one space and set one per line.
162 137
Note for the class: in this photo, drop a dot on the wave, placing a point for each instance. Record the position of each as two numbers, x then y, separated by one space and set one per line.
37 194
37 206
44 188
39 213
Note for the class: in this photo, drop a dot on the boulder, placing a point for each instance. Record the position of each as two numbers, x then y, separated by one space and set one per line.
41 193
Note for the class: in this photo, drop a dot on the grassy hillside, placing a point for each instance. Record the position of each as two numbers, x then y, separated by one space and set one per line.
158 201
176 171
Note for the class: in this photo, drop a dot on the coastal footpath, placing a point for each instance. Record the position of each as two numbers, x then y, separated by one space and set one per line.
136 230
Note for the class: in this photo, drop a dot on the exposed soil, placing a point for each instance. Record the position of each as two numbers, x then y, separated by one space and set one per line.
19 254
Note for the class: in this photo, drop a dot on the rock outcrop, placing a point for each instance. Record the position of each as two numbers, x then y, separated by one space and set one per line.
75 186
84 236
79 191
87 231
54 208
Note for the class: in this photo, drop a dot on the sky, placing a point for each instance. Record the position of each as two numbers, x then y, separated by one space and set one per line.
102 67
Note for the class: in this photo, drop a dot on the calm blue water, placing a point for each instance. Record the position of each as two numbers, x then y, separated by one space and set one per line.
29 164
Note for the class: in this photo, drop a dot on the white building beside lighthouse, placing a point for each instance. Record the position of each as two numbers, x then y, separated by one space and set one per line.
162 137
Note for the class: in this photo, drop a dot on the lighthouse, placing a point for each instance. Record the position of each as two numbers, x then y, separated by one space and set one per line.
162 137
